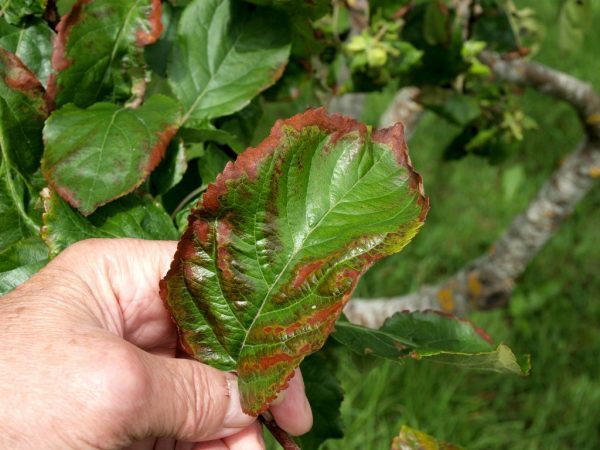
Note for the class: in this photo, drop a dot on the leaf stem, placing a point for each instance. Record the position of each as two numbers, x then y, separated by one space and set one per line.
285 440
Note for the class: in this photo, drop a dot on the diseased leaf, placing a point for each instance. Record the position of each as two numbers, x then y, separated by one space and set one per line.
96 41
20 261
443 338
134 216
275 248
226 54
411 439
32 45
95 155
15 10
325 395
22 114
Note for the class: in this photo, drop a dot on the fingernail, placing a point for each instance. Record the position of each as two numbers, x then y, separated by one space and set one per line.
235 417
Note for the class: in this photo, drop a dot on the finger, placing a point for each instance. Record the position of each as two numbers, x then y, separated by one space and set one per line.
211 445
293 413
250 438
192 402
123 275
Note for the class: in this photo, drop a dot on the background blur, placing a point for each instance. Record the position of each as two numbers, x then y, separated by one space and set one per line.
554 313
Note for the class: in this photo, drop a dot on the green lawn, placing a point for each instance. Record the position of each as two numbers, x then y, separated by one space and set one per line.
554 314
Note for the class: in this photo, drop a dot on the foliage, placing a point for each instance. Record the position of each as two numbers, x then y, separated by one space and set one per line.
272 253
137 116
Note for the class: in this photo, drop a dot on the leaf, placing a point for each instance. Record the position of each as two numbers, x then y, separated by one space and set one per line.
574 21
211 163
98 43
95 155
436 24
411 439
20 261
22 114
276 247
133 216
313 9
458 109
325 395
15 10
443 338
32 45
171 169
226 54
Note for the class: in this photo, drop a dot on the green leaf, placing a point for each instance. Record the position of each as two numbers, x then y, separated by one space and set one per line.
574 21
22 114
436 24
32 45
95 155
226 54
243 125
442 338
98 46
313 9
411 439
134 216
211 163
325 395
20 261
456 108
15 10
171 169
276 247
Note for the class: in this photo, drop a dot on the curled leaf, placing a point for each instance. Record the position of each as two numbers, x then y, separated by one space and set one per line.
276 247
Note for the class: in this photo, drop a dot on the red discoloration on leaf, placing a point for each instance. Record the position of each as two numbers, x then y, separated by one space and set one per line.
305 271
65 193
247 163
158 151
486 337
18 76
272 341
59 51
201 231
394 138
223 255
144 37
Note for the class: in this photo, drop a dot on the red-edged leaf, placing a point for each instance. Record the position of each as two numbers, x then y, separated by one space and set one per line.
276 247
94 42
95 155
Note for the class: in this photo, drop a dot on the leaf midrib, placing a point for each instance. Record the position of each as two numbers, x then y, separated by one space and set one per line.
201 95
297 251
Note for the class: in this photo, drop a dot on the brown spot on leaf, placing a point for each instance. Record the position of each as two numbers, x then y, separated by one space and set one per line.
19 78
144 37
59 49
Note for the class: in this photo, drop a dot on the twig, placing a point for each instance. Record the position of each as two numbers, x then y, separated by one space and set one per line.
284 439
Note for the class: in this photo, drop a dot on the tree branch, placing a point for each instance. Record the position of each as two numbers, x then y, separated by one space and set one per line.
489 281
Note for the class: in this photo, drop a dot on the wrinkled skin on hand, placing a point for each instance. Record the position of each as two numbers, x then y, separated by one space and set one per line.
87 361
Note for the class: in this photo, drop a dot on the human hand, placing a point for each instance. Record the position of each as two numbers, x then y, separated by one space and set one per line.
87 361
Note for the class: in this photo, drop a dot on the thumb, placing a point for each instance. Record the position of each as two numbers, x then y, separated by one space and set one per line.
193 402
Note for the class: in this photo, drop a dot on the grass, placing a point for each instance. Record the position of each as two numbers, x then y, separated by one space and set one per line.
554 314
